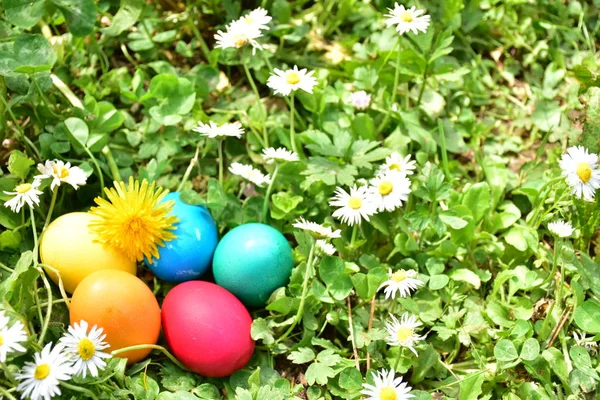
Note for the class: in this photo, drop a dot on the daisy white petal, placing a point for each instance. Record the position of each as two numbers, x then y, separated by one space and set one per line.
403 333
324 247
86 349
256 19
284 82
360 100
11 339
561 228
40 379
281 154
250 173
212 130
387 387
61 172
389 190
395 162
317 229
237 35
407 19
581 172
354 206
401 281
25 193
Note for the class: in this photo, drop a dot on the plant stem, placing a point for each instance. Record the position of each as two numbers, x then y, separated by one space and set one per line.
150 346
371 315
255 90
398 359
221 162
354 234
79 389
189 169
7 394
50 209
423 85
18 128
66 91
443 149
307 274
351 329
386 119
292 132
268 194
203 45
112 164
46 322
95 162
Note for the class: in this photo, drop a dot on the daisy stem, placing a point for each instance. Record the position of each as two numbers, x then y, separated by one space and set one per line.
557 250
79 389
50 209
398 359
221 162
443 149
95 162
46 322
292 131
189 169
112 164
268 194
255 90
150 346
354 234
7 394
386 119
351 331
300 312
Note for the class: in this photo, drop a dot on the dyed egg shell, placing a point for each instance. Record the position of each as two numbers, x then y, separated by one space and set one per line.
251 261
68 246
189 255
122 305
207 328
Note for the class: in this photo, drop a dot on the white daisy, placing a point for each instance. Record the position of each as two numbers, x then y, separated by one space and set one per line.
11 339
250 173
581 171
237 35
61 172
212 130
387 387
284 82
407 19
389 190
402 333
360 100
24 193
588 343
257 19
40 379
318 229
85 349
324 247
561 228
402 281
354 206
395 162
281 154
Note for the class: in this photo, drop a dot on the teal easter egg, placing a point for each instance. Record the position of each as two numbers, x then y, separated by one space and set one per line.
188 256
251 261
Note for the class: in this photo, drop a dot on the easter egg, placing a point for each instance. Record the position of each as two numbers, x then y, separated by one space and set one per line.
68 245
189 255
251 261
122 305
207 328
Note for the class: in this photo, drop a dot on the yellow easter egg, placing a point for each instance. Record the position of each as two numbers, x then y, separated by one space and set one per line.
68 246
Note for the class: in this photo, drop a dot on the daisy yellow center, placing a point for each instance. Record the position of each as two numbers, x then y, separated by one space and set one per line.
241 41
355 203
399 276
406 16
41 372
584 172
133 220
24 188
292 78
403 333
395 167
388 393
1 340
61 172
249 20
385 188
86 349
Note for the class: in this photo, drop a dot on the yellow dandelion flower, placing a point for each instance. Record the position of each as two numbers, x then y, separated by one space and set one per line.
133 220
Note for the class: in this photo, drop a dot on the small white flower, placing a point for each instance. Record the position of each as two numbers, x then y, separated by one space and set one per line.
250 173
85 349
402 281
588 343
256 19
61 172
407 19
237 35
402 333
40 379
281 154
326 248
11 339
389 190
24 193
354 206
360 100
387 387
581 171
318 229
212 130
395 162
284 82
561 228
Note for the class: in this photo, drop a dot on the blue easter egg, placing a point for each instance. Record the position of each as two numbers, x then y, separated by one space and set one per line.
251 261
189 255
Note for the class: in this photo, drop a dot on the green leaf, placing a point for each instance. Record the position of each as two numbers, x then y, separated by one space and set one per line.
546 115
143 386
466 275
24 13
363 126
34 51
477 199
78 131
587 317
557 362
175 97
437 282
260 331
79 14
302 355
318 373
350 379
530 350
10 240
19 164
452 221
505 350
470 386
